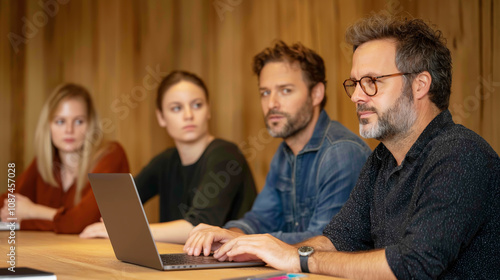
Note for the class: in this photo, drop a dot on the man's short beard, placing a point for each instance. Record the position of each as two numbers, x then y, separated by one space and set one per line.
293 125
397 120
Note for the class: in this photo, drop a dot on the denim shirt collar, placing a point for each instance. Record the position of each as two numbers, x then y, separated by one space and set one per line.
317 137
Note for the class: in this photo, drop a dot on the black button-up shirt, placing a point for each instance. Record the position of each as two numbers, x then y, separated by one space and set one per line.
437 214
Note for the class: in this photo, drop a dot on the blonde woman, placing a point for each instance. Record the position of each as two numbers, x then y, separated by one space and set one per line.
53 193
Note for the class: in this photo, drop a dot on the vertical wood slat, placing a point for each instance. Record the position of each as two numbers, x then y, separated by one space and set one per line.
489 82
492 115
11 63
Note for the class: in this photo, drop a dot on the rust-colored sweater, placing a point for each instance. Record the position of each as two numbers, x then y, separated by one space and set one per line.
69 218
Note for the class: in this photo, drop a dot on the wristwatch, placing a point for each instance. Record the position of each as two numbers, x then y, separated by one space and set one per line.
304 253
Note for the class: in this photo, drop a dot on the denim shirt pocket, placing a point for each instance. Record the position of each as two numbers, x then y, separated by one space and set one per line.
305 210
284 187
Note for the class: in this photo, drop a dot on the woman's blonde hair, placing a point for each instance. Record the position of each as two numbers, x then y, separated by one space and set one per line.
45 151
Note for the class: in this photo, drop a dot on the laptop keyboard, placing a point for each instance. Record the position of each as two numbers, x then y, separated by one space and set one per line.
176 259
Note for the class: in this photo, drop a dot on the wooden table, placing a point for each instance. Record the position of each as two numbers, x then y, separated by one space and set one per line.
70 257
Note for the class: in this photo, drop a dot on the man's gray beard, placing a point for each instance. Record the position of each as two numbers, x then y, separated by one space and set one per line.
397 120
292 125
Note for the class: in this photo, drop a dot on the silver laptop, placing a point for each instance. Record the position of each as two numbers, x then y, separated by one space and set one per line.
128 228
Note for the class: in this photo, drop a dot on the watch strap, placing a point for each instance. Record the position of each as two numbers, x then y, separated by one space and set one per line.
303 264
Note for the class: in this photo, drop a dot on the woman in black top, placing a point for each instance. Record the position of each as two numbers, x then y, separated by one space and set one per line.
202 179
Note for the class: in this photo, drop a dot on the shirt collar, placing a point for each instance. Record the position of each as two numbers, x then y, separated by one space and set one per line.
440 122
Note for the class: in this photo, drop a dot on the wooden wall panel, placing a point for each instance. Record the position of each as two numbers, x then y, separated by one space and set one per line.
8 113
489 83
119 50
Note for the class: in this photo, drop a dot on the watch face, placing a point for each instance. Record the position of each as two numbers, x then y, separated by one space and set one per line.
306 250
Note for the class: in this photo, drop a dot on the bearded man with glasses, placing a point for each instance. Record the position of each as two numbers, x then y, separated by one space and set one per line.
427 202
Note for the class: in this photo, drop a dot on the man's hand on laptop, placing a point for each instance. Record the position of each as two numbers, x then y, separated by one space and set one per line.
260 247
95 230
207 238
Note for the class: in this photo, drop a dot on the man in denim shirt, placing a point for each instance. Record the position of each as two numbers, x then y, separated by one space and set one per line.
314 169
